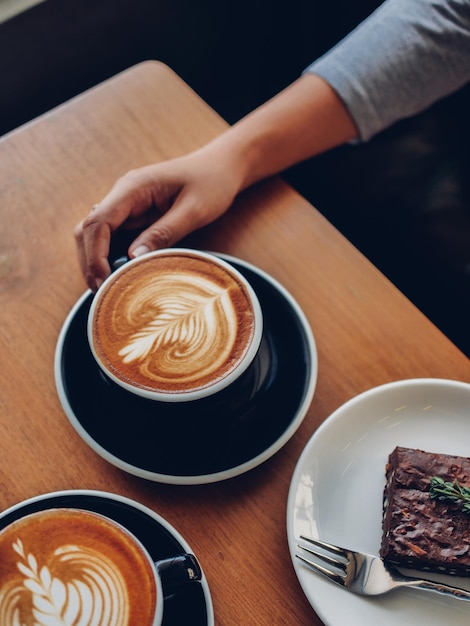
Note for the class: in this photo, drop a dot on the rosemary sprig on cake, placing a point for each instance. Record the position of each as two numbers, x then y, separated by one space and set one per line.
453 491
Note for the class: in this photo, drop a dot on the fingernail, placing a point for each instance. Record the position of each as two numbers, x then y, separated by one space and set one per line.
140 250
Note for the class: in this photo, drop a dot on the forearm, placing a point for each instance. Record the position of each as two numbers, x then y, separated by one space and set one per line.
302 121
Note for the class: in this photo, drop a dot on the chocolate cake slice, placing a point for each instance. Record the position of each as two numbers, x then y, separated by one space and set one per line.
420 532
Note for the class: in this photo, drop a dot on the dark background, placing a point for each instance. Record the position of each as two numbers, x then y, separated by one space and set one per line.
403 198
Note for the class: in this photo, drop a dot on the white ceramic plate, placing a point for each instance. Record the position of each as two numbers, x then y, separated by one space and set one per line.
337 486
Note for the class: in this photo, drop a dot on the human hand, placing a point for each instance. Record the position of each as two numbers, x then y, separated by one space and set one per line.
169 200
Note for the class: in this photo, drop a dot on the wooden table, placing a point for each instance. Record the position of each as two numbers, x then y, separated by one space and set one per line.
367 333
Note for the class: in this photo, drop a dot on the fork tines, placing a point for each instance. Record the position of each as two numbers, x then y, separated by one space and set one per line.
328 553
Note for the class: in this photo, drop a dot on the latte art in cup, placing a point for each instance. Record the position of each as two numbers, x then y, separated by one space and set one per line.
174 323
65 567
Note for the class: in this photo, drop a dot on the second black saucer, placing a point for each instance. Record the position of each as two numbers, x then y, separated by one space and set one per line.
191 604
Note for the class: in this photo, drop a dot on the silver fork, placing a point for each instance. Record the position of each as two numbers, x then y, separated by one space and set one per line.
365 574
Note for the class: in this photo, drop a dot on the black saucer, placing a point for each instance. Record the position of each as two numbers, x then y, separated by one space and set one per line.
190 604
195 442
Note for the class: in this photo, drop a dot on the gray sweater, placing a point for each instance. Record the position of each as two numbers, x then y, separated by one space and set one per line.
407 55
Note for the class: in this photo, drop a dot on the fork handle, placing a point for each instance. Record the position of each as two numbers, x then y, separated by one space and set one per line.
428 585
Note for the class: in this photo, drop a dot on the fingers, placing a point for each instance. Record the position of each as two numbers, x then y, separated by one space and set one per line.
128 201
92 238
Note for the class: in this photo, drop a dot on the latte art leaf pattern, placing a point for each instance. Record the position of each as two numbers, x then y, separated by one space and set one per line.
94 596
189 334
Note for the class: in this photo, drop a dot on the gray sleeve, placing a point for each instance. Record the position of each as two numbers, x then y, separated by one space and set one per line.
404 57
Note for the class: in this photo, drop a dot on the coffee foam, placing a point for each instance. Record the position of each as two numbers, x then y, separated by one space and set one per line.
173 323
65 567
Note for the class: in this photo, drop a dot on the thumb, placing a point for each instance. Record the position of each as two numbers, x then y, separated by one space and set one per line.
165 231
152 238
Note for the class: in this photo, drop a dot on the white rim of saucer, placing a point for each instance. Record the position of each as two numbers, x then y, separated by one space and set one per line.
216 476
134 504
202 392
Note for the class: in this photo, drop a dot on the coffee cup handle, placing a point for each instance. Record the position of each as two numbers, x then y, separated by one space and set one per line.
178 571
119 262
